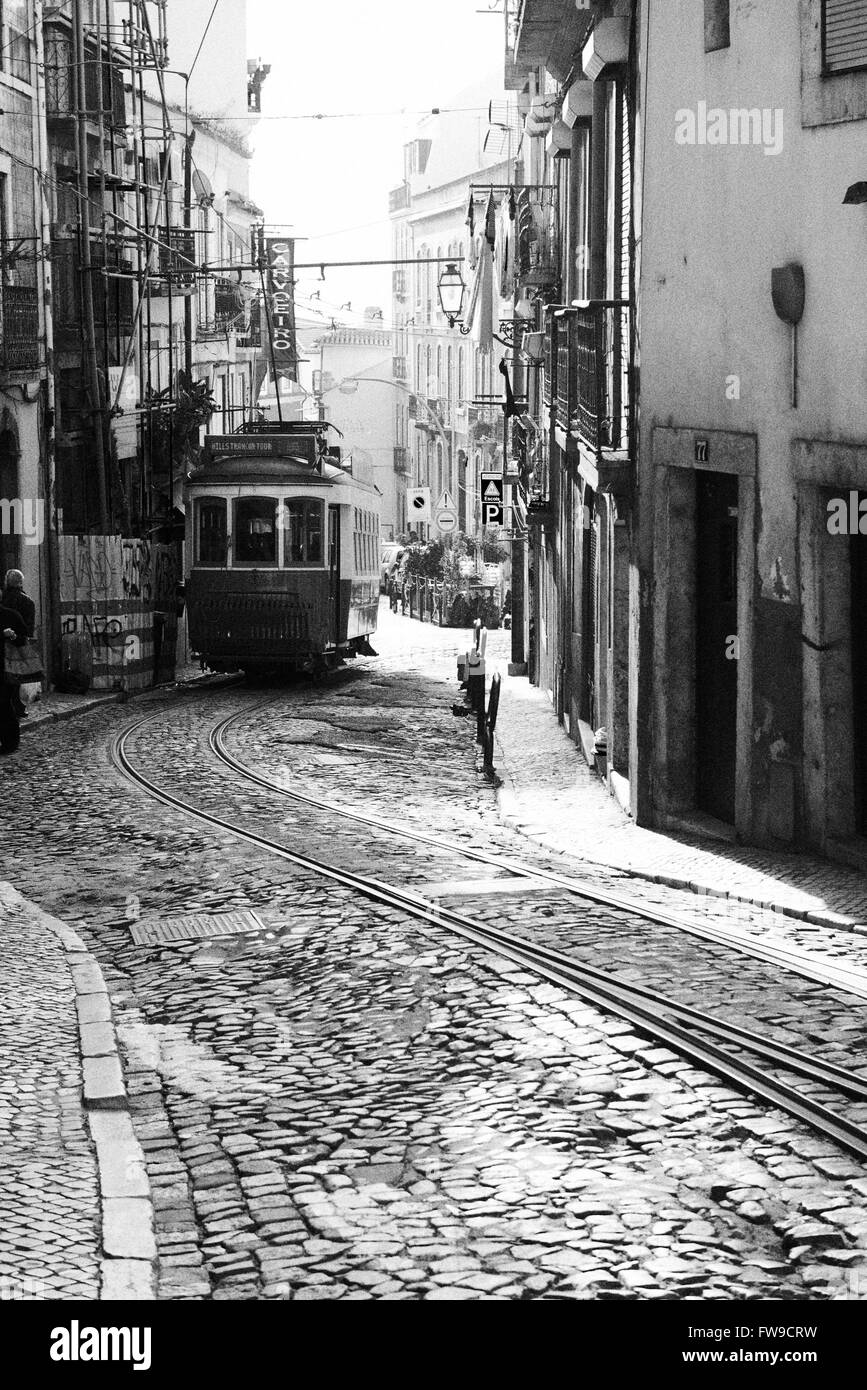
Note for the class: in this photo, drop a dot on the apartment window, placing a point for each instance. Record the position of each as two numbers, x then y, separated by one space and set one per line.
844 35
716 25
16 27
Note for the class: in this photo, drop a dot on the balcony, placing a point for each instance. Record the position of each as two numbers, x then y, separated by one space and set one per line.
252 336
229 311
399 198
543 33
19 344
538 252
178 262
592 375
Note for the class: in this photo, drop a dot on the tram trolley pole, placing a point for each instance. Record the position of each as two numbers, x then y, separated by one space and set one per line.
491 722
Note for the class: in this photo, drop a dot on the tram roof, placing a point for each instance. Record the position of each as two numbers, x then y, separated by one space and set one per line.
225 470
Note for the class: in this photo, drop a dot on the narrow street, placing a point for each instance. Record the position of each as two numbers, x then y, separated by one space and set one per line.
337 1099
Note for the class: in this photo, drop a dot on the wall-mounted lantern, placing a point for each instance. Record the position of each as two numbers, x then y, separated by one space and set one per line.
788 292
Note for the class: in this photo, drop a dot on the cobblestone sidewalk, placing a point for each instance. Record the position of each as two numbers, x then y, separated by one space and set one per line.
550 794
49 1188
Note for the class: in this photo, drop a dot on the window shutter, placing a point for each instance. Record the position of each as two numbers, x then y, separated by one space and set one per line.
845 34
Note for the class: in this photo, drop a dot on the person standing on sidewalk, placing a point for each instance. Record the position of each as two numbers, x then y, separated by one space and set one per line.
14 597
14 630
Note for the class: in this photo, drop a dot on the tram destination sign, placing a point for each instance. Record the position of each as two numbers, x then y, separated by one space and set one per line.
261 446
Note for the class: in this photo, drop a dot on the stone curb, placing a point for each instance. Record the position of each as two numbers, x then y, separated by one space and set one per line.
50 716
114 697
508 789
127 1263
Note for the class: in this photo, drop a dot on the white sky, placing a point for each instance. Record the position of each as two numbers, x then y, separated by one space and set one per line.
330 179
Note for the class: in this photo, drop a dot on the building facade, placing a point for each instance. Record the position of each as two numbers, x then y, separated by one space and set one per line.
695 560
448 421
754 420
357 396
127 315
25 484
574 362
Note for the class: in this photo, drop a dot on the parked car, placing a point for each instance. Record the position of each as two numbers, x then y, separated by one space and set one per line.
388 559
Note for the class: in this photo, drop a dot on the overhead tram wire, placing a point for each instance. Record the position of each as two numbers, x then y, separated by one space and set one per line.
347 115
202 40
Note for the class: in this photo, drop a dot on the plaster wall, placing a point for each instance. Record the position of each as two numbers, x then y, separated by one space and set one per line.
716 219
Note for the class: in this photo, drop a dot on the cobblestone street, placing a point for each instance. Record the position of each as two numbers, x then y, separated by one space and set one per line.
335 1099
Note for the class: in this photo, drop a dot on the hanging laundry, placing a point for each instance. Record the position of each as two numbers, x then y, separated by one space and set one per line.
480 310
491 221
505 253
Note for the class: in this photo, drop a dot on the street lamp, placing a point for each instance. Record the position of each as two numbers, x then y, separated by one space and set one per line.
451 288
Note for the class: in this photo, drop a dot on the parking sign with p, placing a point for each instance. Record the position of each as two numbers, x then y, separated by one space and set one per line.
492 499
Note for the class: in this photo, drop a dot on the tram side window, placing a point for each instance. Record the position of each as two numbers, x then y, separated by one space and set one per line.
255 531
211 531
302 534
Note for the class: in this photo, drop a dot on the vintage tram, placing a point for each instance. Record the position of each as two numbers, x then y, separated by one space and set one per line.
282 551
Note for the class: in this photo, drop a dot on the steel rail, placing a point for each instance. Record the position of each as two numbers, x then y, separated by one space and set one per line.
591 985
850 979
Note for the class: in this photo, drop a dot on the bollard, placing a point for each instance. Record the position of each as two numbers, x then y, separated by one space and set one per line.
491 722
476 675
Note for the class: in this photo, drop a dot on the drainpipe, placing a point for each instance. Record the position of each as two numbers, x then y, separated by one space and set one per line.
597 191
52 654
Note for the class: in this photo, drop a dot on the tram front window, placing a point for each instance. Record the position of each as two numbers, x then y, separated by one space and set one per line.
211 531
302 539
255 531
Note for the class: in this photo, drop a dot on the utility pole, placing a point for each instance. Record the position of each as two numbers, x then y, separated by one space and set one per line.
49 435
188 231
90 363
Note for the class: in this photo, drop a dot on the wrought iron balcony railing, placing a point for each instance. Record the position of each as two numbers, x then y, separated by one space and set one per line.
591 386
19 329
177 262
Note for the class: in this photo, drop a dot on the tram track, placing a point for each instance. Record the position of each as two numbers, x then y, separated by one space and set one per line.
849 978
703 1039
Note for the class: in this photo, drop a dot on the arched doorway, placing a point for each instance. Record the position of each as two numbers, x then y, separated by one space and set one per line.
10 543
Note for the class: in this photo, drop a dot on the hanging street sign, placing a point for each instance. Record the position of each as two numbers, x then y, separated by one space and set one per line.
492 488
418 504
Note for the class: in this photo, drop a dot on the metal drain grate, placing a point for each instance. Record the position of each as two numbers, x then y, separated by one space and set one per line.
195 927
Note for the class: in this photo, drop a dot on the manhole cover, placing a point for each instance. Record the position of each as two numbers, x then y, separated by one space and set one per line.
195 927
